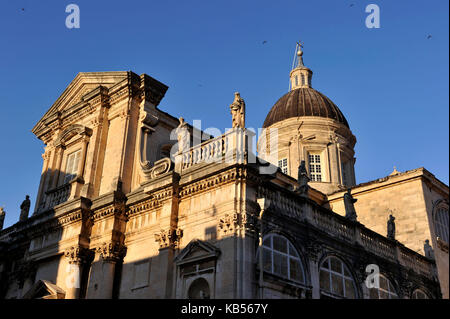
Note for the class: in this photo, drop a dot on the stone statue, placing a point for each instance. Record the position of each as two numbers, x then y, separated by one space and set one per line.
2 217
182 136
25 208
302 179
429 253
349 201
238 111
203 295
391 227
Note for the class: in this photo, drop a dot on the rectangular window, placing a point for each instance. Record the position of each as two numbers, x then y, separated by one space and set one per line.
141 276
73 160
283 165
315 167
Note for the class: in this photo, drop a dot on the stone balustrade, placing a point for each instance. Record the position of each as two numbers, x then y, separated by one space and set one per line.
231 147
58 195
339 227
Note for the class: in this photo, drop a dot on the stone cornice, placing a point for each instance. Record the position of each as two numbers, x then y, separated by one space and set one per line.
218 178
392 180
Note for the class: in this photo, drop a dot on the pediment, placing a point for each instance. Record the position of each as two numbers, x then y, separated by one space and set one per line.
44 289
197 250
81 85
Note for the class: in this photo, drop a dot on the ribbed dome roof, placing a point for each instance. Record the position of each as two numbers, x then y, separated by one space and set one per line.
304 102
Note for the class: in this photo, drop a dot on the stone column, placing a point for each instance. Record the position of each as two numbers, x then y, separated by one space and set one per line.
101 281
313 252
44 174
77 257
57 168
80 171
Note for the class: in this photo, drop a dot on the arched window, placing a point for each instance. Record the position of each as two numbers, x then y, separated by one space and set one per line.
385 291
336 280
419 294
281 258
441 223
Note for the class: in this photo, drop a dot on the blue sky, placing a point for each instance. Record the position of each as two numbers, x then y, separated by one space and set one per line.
391 83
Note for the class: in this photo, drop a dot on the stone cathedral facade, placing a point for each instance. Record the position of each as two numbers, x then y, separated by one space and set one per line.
129 206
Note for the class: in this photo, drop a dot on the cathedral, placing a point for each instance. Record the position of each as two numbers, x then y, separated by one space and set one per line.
134 202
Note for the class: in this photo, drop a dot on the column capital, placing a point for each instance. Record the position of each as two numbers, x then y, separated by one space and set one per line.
170 238
111 252
78 255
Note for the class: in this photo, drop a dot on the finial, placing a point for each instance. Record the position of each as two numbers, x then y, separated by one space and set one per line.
299 54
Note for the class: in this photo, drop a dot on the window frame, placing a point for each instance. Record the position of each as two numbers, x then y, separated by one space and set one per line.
284 167
441 228
342 276
391 291
414 293
313 165
68 176
287 255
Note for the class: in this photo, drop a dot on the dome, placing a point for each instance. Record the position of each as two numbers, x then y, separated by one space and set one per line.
304 101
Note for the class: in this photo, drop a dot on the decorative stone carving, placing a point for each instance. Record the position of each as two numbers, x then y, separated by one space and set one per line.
111 252
169 238
78 255
250 222
163 239
238 111
313 250
160 167
2 217
391 227
228 223
302 180
349 201
25 208
429 253
182 136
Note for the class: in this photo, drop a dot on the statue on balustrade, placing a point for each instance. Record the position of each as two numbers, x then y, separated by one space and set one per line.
238 111
428 250
302 180
391 227
349 202
2 217
25 208
183 136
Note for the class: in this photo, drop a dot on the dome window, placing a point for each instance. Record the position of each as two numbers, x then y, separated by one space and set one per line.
283 165
315 167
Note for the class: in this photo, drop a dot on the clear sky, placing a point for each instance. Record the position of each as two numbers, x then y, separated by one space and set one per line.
391 83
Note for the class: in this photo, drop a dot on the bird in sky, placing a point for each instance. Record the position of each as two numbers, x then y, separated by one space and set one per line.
429 36
264 42
351 5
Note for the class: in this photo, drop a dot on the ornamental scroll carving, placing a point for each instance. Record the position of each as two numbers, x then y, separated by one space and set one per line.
148 122
160 167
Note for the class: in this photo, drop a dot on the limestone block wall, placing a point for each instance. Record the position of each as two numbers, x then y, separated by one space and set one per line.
403 196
